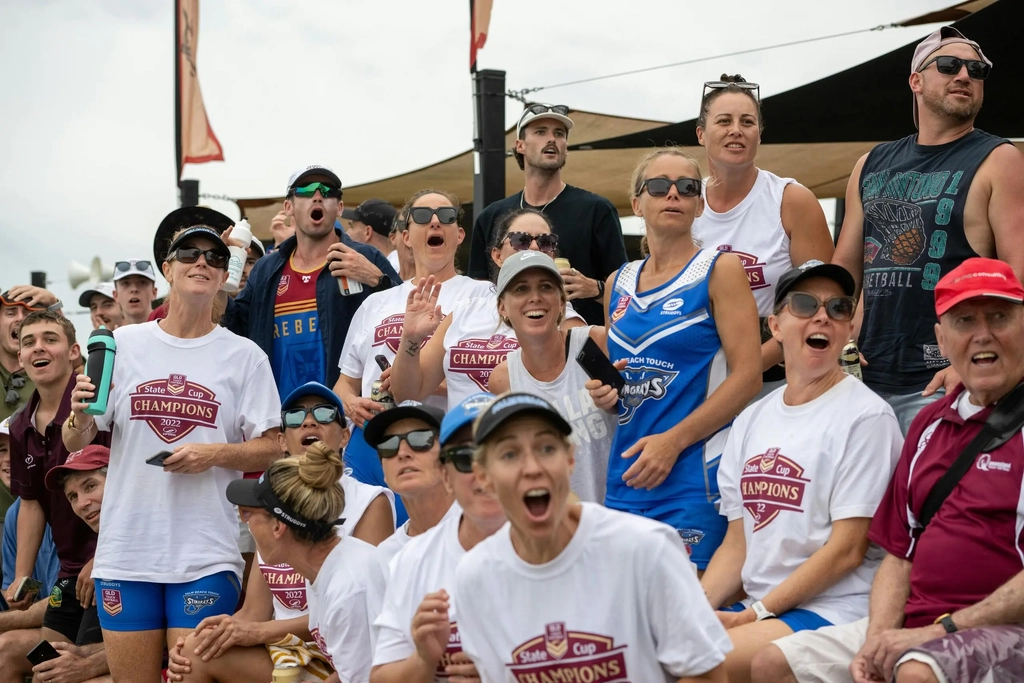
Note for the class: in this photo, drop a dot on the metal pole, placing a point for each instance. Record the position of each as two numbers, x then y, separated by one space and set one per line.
489 139
840 215
177 92
189 192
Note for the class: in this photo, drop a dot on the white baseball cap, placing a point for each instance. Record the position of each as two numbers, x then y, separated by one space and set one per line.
313 169
104 288
143 267
558 112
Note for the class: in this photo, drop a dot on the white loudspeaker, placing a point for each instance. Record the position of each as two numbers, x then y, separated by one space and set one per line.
95 273
105 273
77 274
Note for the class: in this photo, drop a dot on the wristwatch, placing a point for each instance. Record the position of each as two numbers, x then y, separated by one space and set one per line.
600 288
761 612
947 623
55 307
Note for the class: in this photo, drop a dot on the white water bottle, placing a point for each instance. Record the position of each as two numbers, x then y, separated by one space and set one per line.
243 233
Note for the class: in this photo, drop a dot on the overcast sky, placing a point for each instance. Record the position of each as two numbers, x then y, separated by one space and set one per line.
370 87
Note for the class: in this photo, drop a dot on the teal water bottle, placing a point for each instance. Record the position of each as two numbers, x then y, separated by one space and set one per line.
100 368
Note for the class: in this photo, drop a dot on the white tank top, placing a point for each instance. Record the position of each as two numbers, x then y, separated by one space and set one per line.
592 428
475 343
753 231
288 586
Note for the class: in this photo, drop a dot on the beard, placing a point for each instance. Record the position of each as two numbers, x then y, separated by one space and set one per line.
956 111
542 163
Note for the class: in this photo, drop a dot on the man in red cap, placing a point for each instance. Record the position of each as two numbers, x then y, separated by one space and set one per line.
945 605
918 207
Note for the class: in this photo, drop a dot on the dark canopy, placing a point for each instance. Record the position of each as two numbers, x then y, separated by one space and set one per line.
872 102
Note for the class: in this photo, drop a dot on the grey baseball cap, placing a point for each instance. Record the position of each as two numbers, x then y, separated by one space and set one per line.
525 260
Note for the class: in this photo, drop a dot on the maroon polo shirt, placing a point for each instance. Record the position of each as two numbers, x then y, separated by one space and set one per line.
32 456
975 542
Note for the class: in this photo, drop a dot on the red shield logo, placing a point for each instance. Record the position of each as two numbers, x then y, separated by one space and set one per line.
173 407
282 285
112 601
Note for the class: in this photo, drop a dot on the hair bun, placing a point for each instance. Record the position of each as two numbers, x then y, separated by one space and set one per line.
320 467
735 78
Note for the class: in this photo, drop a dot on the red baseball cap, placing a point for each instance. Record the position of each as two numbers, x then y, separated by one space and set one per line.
977 277
89 458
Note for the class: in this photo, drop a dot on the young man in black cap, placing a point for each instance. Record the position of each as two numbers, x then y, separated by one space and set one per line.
370 223
103 307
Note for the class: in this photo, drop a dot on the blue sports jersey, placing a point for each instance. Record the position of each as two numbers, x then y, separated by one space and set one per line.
674 362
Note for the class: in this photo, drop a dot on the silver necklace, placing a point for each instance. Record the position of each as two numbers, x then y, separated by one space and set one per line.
523 196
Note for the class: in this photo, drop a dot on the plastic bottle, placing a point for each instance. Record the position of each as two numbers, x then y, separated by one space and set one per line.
243 233
100 368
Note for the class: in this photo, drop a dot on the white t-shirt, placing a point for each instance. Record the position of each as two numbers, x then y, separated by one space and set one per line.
287 585
592 428
791 471
425 565
393 260
376 328
343 602
621 601
753 231
173 528
389 547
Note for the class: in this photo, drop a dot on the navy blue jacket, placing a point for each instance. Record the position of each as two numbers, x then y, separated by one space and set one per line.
251 313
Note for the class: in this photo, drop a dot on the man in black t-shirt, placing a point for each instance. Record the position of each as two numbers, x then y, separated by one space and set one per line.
587 225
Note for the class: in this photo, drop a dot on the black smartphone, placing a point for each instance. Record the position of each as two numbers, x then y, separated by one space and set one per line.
159 458
382 362
43 652
597 366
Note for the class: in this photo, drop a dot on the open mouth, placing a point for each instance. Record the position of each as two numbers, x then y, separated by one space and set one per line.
550 149
309 440
984 358
537 502
199 276
317 214
92 516
535 315
134 300
735 145
435 241
14 334
40 363
818 341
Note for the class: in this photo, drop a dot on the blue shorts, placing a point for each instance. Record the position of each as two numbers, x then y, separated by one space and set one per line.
796 619
695 519
366 468
144 606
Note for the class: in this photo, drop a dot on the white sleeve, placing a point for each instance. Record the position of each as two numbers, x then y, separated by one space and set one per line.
729 470
345 629
570 312
473 608
865 465
259 406
351 361
689 638
393 626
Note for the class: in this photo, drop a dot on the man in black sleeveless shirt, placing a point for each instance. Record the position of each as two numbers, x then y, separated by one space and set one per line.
916 208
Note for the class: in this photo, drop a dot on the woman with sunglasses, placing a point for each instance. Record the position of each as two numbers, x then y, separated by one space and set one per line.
571 591
433 233
464 347
292 510
771 223
682 326
417 630
532 300
799 499
204 401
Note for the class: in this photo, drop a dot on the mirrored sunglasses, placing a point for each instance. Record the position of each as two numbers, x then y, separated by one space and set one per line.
326 191
189 255
419 440
324 413
461 457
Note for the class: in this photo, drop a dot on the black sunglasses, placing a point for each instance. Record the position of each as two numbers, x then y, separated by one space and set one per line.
421 215
521 241
721 85
658 187
323 413
125 266
419 440
189 255
544 109
804 305
950 66
459 456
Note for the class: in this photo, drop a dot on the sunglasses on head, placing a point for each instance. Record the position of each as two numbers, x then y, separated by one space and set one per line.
326 191
950 66
189 255
521 241
721 85
324 413
659 187
125 266
804 305
420 440
459 456
545 108
422 215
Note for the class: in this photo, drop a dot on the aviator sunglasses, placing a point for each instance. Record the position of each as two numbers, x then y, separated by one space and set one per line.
804 305
326 191
521 241
950 66
420 440
459 456
189 255
323 413
658 187
421 215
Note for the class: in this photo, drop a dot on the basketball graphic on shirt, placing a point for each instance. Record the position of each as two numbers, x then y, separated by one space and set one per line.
173 407
902 226
753 267
478 357
564 655
770 484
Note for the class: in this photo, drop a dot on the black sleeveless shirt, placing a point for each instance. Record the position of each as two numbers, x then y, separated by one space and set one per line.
913 197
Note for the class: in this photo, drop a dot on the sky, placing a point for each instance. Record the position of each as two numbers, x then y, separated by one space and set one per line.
372 88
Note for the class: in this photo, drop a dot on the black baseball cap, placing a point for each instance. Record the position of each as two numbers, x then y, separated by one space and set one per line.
508 406
814 268
376 213
258 493
185 217
206 231
373 430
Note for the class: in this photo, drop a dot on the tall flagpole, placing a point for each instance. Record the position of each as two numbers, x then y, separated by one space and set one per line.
177 92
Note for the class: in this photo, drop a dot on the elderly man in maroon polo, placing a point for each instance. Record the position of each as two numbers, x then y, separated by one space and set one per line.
947 603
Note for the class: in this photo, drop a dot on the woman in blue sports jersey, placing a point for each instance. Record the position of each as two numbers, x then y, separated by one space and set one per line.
683 325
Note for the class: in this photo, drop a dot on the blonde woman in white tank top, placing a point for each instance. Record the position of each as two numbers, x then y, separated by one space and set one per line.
771 223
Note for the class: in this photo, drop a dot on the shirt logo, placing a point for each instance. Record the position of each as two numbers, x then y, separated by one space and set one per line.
563 655
173 407
642 383
454 647
389 332
771 483
56 597
901 226
305 279
753 267
282 284
477 358
321 644
112 601
691 536
672 305
197 601
987 464
287 585
620 308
